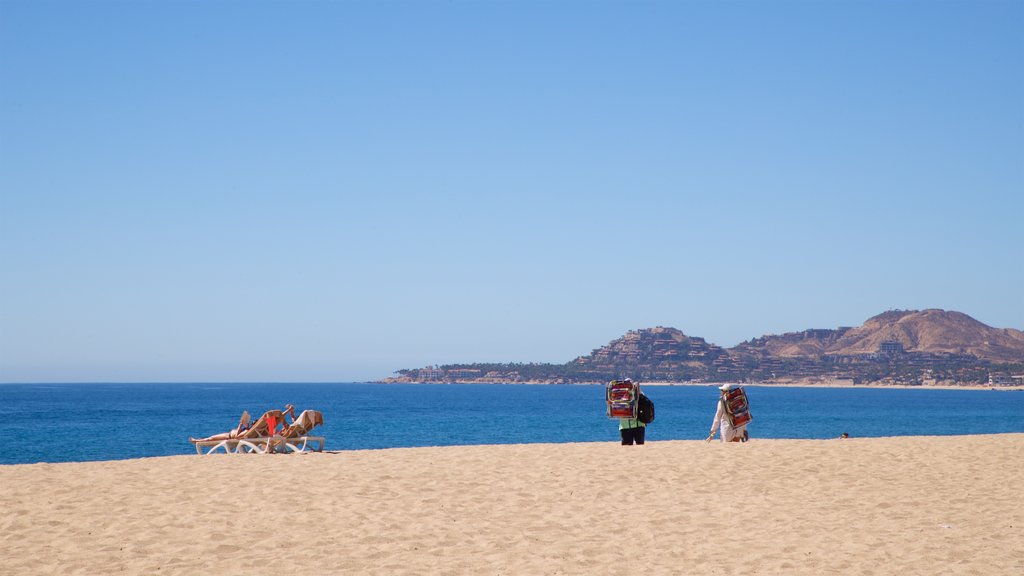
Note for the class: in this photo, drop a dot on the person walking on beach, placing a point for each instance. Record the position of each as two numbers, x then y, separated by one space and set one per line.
626 402
733 426
633 430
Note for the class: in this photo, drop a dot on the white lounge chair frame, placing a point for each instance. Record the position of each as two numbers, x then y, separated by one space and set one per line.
262 445
301 443
234 446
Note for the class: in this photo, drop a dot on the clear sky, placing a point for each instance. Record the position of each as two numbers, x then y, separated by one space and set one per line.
331 191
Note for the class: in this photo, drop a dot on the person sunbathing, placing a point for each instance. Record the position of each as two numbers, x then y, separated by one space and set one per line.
302 423
273 425
244 424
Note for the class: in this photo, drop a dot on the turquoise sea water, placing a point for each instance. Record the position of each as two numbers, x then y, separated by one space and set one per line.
79 422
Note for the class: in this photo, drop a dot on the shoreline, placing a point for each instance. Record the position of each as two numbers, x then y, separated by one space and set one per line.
872 385
610 441
846 386
403 449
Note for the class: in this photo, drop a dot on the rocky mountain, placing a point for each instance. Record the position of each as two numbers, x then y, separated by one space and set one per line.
652 351
813 342
898 346
917 331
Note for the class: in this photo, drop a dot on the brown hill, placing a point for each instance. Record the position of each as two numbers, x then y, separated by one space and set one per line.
939 346
792 344
931 331
935 331
652 353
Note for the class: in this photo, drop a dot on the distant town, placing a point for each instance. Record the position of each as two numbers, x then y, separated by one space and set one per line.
909 348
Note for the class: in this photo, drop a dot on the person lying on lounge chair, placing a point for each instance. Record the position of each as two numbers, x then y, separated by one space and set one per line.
283 424
302 424
244 424
297 430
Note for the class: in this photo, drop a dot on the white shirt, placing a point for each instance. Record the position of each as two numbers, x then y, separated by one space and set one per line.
722 420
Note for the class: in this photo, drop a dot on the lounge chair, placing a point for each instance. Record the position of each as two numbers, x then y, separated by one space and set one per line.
255 440
738 407
621 398
296 437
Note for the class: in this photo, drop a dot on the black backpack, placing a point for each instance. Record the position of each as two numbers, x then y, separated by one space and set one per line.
645 409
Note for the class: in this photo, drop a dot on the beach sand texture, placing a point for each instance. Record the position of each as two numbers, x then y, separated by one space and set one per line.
909 505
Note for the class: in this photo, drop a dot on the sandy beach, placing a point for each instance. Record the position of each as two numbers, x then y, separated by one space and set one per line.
910 505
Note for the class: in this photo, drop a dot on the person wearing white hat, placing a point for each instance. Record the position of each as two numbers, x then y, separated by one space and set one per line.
723 420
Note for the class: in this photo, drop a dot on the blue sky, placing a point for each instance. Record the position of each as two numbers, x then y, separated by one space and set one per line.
331 191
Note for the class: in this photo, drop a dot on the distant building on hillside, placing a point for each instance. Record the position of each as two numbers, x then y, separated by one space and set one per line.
431 374
1000 379
890 347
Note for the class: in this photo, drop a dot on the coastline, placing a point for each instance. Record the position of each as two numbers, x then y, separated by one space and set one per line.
847 386
916 505
792 384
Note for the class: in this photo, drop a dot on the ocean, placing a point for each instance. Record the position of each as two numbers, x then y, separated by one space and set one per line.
83 422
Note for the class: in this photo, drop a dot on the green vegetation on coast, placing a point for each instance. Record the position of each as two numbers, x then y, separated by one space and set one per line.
930 347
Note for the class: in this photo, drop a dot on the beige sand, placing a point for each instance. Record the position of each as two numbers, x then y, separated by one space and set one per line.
922 505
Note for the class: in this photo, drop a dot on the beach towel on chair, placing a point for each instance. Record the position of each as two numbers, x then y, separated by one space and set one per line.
296 438
303 423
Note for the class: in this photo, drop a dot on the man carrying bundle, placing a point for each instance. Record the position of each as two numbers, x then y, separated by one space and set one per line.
633 409
732 415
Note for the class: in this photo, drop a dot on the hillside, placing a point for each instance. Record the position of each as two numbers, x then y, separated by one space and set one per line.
926 331
652 353
898 346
